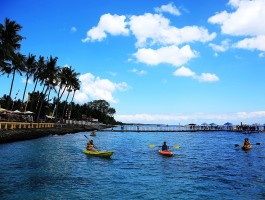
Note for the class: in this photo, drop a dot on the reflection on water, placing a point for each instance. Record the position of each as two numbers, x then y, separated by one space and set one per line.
207 165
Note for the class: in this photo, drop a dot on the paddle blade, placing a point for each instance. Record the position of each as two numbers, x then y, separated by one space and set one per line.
151 146
258 143
176 147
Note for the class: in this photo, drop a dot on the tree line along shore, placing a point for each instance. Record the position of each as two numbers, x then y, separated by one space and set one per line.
51 84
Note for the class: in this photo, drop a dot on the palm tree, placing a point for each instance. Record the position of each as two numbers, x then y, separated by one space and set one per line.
18 66
9 37
62 76
38 76
50 81
3 62
76 86
30 68
38 73
65 78
10 60
9 43
73 85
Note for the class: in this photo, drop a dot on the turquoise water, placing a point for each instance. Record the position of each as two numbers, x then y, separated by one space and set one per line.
206 166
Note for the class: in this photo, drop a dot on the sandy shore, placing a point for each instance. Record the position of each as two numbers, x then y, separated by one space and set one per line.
27 134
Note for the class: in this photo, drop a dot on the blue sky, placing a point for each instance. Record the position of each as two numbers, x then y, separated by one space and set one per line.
182 61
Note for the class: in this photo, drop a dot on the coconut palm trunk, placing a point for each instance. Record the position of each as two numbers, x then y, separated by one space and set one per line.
65 105
42 100
12 82
70 106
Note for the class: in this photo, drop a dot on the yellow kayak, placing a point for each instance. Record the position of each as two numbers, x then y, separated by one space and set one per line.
104 154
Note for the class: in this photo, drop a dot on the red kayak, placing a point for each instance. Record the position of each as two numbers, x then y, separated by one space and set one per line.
166 153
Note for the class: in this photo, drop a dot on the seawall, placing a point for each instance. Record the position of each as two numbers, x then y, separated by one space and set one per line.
14 135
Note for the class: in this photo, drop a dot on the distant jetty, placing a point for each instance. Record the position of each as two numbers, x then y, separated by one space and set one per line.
186 128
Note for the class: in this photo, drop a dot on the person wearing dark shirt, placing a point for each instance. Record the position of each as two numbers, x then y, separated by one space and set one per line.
165 147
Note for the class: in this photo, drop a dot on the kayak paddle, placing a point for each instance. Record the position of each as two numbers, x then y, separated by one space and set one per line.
153 146
258 143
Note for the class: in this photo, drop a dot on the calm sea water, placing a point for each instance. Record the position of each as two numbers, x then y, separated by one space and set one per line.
206 166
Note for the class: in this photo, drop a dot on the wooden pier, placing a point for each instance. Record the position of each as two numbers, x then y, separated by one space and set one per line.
179 128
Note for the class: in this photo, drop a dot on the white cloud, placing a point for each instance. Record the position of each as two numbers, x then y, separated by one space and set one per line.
96 88
204 77
151 29
138 72
184 71
207 77
112 24
247 115
154 30
169 8
252 43
193 117
170 55
220 48
247 19
81 97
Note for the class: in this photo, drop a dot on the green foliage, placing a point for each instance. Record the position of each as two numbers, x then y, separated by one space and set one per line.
100 110
46 73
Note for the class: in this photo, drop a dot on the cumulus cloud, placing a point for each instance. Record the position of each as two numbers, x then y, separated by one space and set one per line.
184 71
96 88
169 55
247 115
138 72
255 43
151 29
247 19
220 48
169 8
154 30
81 97
193 117
112 24
207 77
203 77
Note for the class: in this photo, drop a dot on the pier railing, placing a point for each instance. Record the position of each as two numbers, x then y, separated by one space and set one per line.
183 128
24 125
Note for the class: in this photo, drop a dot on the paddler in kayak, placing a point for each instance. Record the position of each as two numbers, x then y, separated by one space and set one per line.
165 147
90 145
165 150
246 144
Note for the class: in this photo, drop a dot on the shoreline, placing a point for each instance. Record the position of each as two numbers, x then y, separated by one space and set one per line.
15 135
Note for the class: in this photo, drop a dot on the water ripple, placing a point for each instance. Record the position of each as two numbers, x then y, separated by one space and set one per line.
206 166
